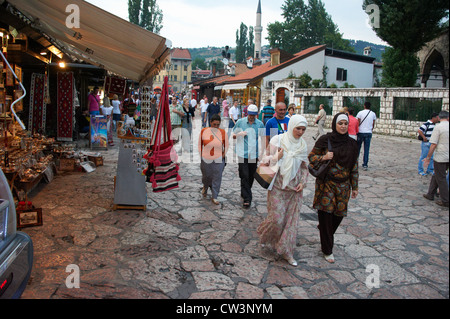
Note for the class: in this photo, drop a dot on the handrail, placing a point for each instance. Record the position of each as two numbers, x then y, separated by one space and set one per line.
24 92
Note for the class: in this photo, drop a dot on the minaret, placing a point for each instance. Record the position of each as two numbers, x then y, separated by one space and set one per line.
258 33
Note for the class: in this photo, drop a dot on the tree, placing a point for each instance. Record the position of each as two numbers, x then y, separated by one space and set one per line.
245 43
305 26
199 63
408 25
400 69
146 14
251 43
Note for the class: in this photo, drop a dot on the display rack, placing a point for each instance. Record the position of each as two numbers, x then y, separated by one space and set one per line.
130 192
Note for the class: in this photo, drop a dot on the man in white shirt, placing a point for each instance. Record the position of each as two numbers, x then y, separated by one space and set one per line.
234 116
194 103
204 106
366 119
440 146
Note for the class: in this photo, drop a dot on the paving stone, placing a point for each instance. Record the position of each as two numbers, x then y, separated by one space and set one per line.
183 246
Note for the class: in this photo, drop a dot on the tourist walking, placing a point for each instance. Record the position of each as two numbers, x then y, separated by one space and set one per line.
278 124
367 119
107 110
249 135
268 112
425 132
320 121
333 192
213 109
204 106
153 109
94 102
234 116
116 111
440 148
353 124
213 147
186 125
284 200
176 114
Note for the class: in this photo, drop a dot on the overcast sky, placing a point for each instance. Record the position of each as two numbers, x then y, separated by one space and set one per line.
201 23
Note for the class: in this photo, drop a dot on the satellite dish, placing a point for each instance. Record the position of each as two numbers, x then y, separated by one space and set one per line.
225 61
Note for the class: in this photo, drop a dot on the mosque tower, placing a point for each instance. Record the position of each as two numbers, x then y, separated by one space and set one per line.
258 33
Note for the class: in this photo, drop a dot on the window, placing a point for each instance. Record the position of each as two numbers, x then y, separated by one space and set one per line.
185 68
341 75
185 78
175 78
175 67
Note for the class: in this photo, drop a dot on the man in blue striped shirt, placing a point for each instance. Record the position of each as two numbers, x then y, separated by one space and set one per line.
425 132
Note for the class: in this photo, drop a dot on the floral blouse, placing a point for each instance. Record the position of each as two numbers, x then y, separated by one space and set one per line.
332 194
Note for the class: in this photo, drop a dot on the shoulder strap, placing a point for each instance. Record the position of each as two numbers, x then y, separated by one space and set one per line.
365 118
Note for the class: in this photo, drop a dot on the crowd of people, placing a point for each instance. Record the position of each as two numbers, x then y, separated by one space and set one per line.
273 137
281 130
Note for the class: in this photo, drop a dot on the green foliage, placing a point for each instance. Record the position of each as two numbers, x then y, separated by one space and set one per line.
305 26
245 44
413 109
146 14
408 25
199 63
400 69
357 103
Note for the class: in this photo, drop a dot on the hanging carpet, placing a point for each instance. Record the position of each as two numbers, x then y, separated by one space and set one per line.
115 85
65 105
38 107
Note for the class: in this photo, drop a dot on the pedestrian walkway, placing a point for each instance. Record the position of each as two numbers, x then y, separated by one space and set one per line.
184 246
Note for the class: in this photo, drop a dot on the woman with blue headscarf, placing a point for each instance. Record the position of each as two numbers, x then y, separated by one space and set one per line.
285 197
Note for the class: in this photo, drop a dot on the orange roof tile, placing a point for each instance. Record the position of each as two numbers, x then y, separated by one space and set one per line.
179 53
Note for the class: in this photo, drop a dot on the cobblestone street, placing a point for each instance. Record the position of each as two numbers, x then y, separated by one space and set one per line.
184 246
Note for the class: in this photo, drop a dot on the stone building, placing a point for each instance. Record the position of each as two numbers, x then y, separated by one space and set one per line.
179 71
434 62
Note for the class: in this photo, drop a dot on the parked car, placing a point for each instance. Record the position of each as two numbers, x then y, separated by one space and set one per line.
16 248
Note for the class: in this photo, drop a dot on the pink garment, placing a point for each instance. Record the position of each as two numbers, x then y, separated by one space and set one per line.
226 108
353 125
93 103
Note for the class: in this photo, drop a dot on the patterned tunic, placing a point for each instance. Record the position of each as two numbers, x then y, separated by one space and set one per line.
333 194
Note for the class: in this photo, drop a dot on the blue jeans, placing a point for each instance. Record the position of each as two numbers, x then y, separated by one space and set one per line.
425 148
365 138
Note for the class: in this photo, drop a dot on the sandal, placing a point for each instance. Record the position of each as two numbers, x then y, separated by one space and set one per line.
329 258
247 204
290 260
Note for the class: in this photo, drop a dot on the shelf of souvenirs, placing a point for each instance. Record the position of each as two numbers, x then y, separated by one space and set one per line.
23 156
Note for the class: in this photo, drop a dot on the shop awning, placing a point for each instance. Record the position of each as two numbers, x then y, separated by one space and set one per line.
102 38
237 86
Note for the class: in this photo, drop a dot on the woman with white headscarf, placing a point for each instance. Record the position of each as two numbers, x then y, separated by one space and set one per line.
285 198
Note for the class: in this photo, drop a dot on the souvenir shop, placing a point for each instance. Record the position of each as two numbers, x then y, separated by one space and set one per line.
46 74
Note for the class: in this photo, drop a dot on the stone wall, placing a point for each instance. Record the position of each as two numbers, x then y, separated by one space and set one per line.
386 123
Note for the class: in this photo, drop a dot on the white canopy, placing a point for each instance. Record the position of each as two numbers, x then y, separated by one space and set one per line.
102 38
237 86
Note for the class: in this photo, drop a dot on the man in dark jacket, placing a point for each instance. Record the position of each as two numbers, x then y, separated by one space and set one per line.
213 108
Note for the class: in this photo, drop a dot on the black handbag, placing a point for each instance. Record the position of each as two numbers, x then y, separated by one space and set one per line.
320 171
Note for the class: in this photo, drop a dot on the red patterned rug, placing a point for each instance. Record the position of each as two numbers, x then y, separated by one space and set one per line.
38 108
115 85
65 106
